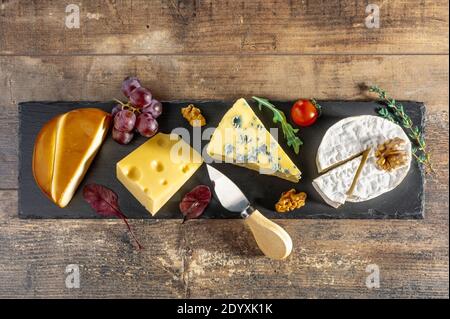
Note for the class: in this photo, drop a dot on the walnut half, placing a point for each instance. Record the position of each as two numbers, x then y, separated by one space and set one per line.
391 154
290 200
193 115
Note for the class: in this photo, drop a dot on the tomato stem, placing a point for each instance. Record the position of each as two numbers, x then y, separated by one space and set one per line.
317 106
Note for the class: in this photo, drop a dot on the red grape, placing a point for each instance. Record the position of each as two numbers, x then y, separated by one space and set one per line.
155 108
140 97
116 109
129 84
124 121
122 137
146 125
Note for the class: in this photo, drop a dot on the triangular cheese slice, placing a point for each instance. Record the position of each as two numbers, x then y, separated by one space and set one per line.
334 185
242 139
339 183
64 150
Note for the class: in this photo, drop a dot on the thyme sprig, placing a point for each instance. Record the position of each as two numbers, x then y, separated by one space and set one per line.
278 117
394 111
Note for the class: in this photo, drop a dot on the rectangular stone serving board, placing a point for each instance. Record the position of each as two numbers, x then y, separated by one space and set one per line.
404 202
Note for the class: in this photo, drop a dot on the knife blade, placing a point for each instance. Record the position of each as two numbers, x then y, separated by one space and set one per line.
228 193
271 238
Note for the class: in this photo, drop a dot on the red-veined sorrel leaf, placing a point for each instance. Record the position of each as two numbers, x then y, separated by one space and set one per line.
194 203
104 202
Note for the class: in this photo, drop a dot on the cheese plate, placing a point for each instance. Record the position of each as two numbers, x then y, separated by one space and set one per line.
404 202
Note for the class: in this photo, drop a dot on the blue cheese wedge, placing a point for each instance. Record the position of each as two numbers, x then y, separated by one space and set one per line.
242 139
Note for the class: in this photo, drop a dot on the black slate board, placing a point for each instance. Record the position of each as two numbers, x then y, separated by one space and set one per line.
406 201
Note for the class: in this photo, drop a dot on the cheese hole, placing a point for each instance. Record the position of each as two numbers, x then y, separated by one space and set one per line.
161 142
163 182
157 166
185 168
134 174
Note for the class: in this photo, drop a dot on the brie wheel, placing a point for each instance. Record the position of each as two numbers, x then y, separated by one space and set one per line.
341 148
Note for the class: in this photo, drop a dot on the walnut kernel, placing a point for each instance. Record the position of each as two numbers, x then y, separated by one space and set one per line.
391 154
193 115
290 200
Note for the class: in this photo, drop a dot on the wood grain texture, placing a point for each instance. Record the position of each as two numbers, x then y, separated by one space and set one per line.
220 259
223 27
420 78
222 50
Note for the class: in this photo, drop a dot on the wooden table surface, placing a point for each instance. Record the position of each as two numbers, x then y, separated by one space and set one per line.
224 50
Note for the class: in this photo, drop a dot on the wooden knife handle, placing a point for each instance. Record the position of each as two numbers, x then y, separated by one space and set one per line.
271 238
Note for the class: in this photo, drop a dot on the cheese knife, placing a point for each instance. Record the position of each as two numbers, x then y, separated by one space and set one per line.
271 238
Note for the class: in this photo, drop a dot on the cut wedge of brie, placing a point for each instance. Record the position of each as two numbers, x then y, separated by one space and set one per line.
334 185
340 154
64 150
242 139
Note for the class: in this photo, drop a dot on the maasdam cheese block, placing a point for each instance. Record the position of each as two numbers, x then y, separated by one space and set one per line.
157 169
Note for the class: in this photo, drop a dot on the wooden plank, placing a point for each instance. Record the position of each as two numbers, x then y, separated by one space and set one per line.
218 258
329 260
9 138
8 200
35 256
422 78
223 27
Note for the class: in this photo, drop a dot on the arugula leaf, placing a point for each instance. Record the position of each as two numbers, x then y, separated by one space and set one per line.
278 117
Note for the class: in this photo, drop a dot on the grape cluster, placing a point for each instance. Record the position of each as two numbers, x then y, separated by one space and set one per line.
137 115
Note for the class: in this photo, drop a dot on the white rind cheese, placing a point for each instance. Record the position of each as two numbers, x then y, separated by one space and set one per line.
333 185
352 136
347 139
373 181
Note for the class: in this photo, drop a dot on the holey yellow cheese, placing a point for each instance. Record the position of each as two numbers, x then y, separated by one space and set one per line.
157 169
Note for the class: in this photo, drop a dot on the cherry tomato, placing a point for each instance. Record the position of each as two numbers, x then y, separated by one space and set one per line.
304 113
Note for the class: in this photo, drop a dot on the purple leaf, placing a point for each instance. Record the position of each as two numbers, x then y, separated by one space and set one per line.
104 202
194 203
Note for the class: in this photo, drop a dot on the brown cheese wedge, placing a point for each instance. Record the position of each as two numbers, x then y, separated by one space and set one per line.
64 150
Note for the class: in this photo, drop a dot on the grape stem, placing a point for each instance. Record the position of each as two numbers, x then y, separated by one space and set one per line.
128 106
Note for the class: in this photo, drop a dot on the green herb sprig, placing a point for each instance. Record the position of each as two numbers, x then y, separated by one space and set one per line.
394 111
278 117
